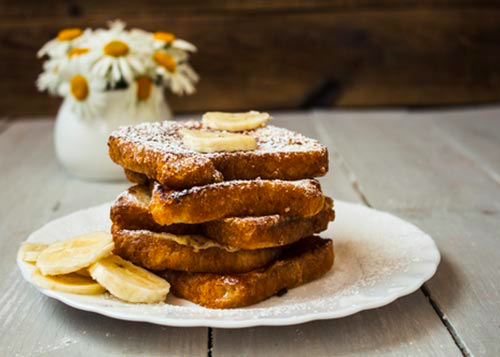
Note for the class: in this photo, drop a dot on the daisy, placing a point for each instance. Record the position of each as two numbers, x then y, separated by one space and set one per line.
183 79
164 40
63 42
167 61
115 54
78 55
147 97
50 79
84 91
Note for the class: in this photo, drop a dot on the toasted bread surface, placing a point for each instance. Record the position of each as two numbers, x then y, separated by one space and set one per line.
304 261
131 211
160 251
157 150
268 231
236 198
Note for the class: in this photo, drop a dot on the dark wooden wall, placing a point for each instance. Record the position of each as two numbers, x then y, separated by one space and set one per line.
280 54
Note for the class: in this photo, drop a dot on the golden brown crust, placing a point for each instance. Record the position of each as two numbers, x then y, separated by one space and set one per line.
268 231
131 211
306 260
174 170
236 198
156 150
156 251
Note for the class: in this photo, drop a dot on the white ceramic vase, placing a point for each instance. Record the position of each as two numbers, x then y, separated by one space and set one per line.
81 144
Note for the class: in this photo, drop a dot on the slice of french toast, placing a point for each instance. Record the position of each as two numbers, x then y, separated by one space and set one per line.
193 253
238 198
131 211
157 151
304 261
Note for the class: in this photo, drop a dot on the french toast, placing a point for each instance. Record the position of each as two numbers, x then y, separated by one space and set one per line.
157 151
131 211
160 251
236 198
268 231
136 177
304 261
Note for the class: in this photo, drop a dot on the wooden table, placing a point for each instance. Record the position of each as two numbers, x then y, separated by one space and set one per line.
437 169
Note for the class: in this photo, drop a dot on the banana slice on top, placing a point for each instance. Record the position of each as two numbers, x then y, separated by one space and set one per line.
209 141
128 281
71 255
29 252
68 283
235 121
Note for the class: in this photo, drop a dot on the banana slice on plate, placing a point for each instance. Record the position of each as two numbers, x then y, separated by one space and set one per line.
68 283
83 272
209 141
29 251
128 281
235 121
74 254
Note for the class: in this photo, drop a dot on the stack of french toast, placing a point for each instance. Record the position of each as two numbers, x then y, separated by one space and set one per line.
226 208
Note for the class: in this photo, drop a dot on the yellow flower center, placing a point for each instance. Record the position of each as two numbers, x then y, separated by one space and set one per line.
166 37
116 48
79 87
77 52
69 34
165 60
144 85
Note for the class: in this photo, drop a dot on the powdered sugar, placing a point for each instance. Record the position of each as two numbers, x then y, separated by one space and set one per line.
165 137
309 187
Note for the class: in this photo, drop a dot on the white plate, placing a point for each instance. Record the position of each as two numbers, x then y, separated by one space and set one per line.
378 258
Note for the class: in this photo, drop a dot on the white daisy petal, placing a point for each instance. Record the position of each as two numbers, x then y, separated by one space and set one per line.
184 45
115 71
125 69
136 64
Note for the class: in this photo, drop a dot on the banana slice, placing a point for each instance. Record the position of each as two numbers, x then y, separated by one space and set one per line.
74 254
83 272
128 281
29 252
235 121
209 141
69 283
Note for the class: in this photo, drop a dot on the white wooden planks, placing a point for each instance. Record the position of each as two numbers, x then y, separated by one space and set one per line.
437 176
34 191
438 170
475 133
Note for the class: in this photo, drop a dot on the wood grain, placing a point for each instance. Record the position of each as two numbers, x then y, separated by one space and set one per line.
436 170
405 163
285 55
408 326
475 133
36 190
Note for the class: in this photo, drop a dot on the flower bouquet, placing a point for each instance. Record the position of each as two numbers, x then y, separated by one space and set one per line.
110 77
83 65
